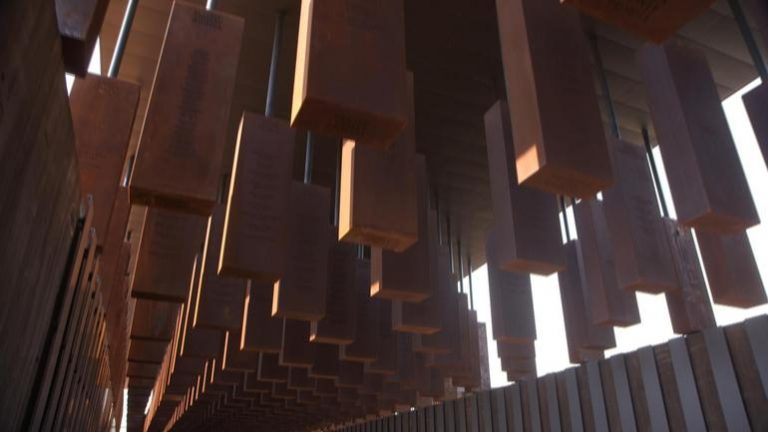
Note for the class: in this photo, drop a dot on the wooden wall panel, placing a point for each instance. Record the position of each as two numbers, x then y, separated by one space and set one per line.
556 127
732 272
301 293
362 45
525 219
689 306
180 166
103 111
255 230
704 172
607 303
643 261
39 194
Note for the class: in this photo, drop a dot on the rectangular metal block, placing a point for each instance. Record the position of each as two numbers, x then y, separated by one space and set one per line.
654 21
297 350
270 369
511 298
169 244
79 23
220 302
198 342
647 397
732 272
705 175
378 199
569 401
643 261
361 44
607 303
235 359
404 276
582 336
387 343
363 349
689 307
526 220
339 324
326 362
618 398
261 331
154 320
556 125
301 293
681 397
756 104
446 299
103 111
181 151
259 195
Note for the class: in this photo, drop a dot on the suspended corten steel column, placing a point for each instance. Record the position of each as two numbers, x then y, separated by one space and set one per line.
688 305
526 219
103 111
260 185
363 349
652 20
301 293
732 272
511 298
350 70
169 244
586 341
180 154
607 303
643 261
556 126
339 324
705 175
631 212
261 332
221 300
424 317
405 276
378 205
79 24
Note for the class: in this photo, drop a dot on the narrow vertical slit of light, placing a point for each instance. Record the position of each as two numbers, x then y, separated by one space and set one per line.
565 219
461 265
655 173
469 279
269 109
749 39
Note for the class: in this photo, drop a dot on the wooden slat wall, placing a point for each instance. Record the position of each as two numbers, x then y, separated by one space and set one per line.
652 389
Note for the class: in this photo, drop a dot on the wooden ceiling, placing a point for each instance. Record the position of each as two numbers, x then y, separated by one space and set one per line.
453 50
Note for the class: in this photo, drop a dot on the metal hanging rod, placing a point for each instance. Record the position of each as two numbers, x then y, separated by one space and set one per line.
269 110
469 279
655 172
749 39
122 38
461 266
565 219
308 159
